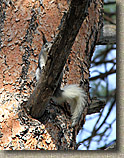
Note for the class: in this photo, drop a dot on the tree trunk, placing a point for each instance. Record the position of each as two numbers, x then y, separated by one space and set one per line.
57 57
77 27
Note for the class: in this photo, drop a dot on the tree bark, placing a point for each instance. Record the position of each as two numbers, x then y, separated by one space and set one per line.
57 57
20 46
108 35
77 13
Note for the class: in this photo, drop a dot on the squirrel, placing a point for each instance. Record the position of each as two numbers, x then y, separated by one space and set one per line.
73 94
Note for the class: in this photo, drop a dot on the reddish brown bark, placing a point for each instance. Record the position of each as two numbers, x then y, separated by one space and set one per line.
20 45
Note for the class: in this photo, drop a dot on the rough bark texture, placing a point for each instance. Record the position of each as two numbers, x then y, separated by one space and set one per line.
21 40
57 57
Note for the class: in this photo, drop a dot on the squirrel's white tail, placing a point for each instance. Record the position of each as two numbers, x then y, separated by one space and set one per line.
76 97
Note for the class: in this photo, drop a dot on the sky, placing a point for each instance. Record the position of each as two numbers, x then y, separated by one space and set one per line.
91 119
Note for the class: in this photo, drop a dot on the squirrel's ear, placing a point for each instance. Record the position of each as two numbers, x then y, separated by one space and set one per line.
44 38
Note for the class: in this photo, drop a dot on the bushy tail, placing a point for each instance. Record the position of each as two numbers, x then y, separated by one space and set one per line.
76 97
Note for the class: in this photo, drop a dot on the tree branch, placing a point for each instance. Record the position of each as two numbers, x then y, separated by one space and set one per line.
104 62
109 13
95 106
95 130
103 75
109 3
108 35
57 57
112 147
